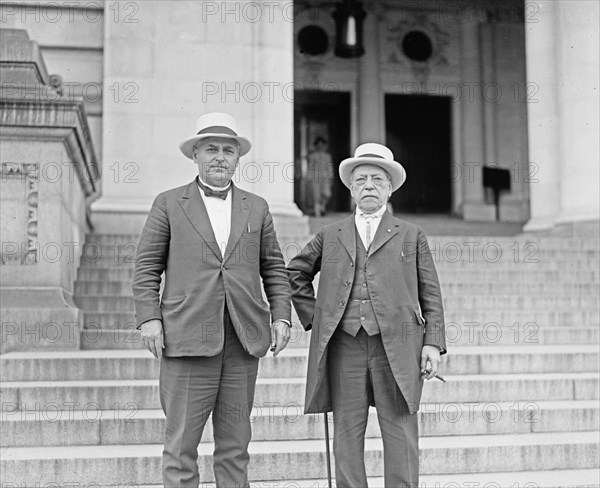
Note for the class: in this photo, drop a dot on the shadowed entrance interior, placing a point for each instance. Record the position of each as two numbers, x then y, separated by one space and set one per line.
323 114
418 133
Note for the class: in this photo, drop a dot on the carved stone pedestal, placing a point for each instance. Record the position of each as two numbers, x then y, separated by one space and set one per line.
49 178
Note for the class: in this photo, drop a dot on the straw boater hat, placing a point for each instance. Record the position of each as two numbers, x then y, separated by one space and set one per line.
214 124
377 154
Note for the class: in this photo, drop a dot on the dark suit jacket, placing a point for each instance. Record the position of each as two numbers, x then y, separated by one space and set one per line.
405 293
178 239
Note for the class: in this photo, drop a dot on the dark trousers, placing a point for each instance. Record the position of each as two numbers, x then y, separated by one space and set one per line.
360 375
193 387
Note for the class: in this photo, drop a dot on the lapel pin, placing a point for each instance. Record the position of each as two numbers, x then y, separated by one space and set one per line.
389 230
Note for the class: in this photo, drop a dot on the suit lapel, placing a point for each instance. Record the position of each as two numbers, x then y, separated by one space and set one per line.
193 207
347 236
240 211
386 230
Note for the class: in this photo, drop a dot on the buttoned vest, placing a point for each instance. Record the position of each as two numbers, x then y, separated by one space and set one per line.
359 309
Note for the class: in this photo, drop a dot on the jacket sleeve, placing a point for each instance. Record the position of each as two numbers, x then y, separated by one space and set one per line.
302 270
430 296
151 260
272 272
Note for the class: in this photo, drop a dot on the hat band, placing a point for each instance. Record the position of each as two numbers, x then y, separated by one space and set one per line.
368 155
217 129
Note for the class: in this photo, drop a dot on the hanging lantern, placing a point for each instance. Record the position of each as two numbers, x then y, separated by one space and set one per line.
349 17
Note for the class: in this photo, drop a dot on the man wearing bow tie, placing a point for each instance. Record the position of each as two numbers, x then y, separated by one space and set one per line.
377 322
214 242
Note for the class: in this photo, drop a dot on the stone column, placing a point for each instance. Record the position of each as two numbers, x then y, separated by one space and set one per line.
474 155
562 61
543 118
579 105
269 95
371 113
177 64
49 178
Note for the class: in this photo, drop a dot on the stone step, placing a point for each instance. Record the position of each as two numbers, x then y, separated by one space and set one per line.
284 460
93 339
291 362
523 242
521 302
496 257
567 478
115 273
109 394
533 276
458 288
510 316
463 318
527 335
128 425
530 334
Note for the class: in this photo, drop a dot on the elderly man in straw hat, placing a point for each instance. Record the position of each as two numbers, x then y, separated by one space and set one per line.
214 243
377 322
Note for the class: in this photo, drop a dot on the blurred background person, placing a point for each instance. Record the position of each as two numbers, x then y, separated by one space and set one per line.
320 173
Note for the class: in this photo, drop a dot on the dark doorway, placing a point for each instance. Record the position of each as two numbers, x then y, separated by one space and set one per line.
418 131
321 114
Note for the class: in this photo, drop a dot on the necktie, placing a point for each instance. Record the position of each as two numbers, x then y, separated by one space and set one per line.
209 192
368 229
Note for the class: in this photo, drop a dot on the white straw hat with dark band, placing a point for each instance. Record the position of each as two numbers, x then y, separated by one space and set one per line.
378 155
214 124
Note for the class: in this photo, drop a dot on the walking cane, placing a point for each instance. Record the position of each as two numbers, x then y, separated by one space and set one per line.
327 450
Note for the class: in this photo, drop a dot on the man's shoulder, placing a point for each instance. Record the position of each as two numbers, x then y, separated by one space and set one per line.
336 226
173 192
405 223
252 197
408 228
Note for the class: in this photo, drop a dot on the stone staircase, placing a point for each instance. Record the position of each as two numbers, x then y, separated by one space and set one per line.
520 407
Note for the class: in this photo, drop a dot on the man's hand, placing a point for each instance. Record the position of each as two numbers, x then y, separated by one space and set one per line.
430 361
280 336
152 335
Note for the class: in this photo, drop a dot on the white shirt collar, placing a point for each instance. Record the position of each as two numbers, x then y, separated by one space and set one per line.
214 188
376 215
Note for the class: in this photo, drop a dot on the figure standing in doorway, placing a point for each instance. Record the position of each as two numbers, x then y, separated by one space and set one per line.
320 171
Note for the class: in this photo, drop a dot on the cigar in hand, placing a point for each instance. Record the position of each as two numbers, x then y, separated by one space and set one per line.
437 376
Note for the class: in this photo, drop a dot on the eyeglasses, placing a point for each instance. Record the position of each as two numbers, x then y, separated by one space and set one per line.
377 180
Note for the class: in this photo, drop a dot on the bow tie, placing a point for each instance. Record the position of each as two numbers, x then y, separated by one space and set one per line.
209 192
370 216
